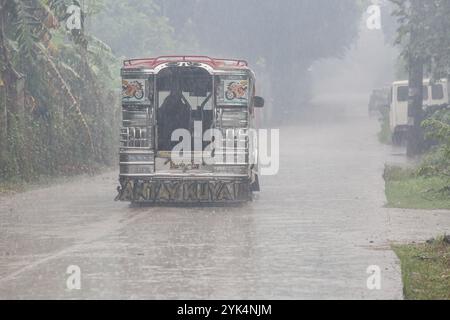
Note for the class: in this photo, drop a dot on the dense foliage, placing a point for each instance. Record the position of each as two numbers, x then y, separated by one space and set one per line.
423 33
57 107
134 28
437 162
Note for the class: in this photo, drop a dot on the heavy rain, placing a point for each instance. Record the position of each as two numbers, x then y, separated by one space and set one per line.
230 150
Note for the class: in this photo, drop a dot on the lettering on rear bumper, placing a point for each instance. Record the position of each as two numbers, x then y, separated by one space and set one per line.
182 191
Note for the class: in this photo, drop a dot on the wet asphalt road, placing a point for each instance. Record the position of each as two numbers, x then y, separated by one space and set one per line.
312 233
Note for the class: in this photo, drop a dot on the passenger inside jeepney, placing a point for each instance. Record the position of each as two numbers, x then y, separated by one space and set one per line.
174 114
184 97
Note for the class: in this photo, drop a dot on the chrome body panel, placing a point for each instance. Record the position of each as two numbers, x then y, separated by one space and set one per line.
141 180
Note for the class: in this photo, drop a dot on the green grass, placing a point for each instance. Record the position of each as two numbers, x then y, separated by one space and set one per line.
405 189
425 270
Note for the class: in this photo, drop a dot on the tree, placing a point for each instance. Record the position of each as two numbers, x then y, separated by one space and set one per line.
55 96
133 28
423 35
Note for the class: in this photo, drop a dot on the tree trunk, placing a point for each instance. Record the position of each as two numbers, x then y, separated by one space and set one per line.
415 141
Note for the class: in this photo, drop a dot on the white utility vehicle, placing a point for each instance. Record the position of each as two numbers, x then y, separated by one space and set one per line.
434 94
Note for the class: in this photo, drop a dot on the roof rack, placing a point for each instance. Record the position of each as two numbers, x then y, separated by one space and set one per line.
153 62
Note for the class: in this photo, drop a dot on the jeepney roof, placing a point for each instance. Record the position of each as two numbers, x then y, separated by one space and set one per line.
215 63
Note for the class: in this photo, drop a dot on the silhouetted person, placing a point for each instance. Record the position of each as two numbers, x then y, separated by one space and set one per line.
174 114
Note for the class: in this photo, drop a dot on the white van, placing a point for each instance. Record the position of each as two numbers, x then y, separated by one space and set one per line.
433 95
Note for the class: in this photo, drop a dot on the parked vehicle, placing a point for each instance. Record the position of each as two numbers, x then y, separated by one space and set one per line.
435 94
175 140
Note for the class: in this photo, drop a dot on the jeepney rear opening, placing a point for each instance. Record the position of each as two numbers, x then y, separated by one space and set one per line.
186 135
184 96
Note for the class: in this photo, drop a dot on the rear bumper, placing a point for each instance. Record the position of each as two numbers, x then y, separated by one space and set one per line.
185 189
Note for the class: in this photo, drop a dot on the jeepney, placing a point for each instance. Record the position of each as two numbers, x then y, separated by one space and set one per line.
187 134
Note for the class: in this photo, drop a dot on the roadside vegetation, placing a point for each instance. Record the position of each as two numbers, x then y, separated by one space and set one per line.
58 105
428 185
425 45
426 269
407 188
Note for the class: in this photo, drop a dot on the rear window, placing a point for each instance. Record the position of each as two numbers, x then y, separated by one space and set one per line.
403 93
437 92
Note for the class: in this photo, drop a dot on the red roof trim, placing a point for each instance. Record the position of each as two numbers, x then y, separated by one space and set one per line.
213 62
